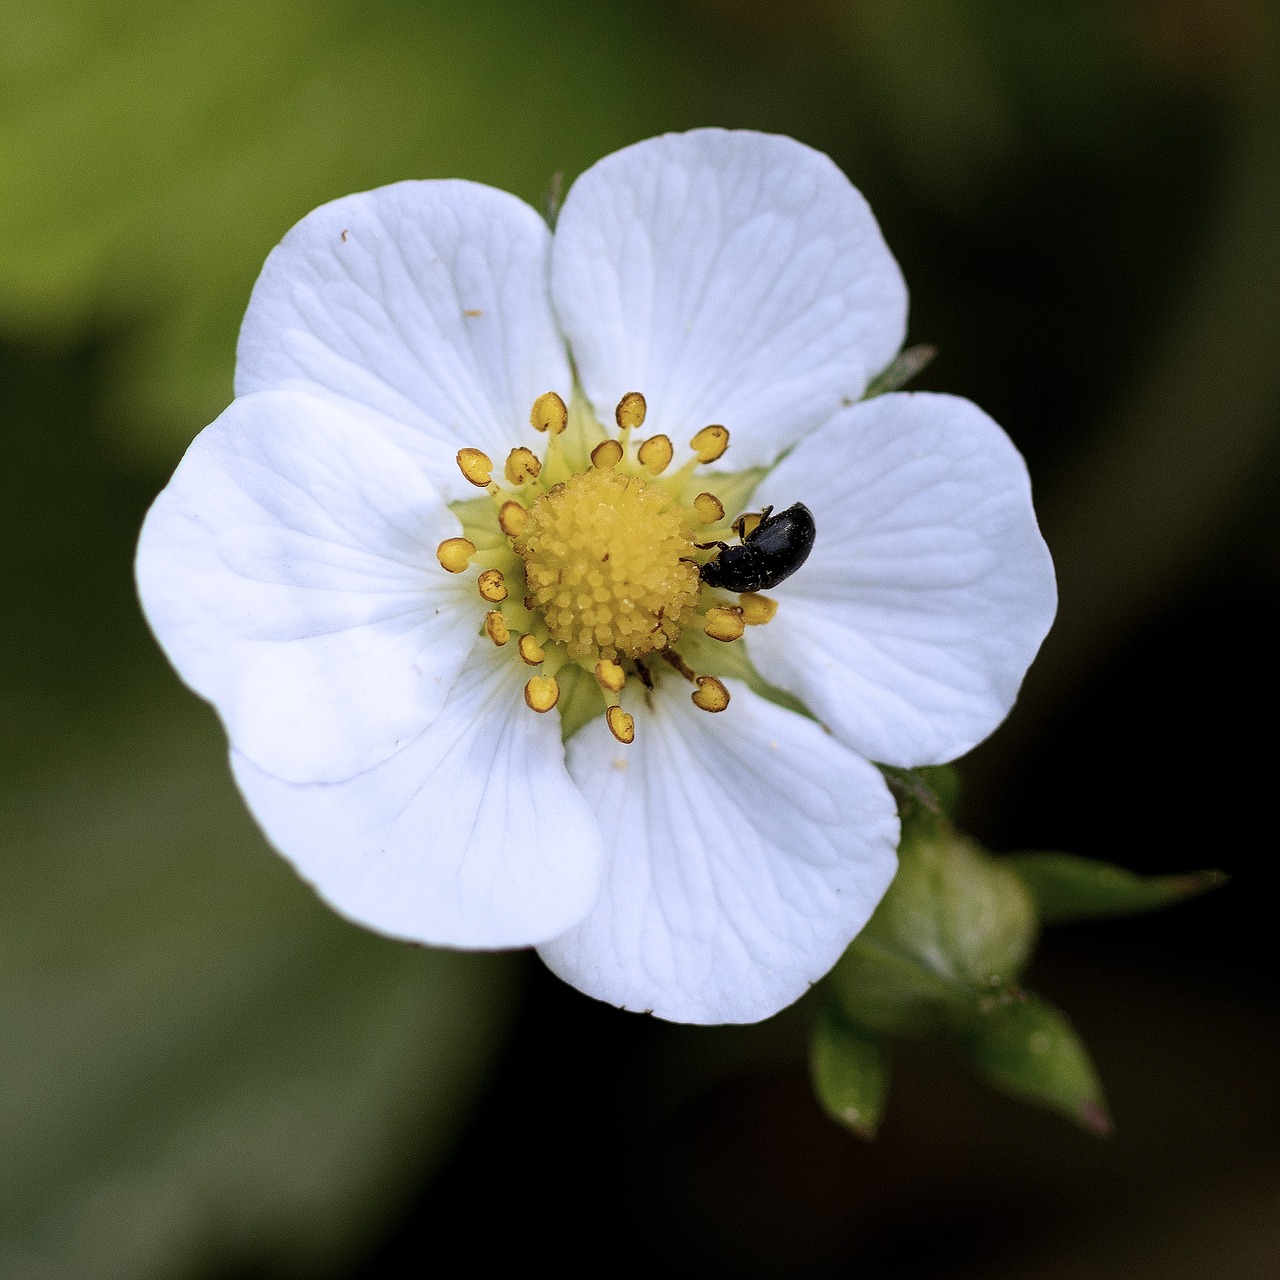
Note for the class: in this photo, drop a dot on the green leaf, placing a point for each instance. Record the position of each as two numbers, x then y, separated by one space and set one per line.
849 1074
953 932
1029 1049
1067 888
153 153
201 1060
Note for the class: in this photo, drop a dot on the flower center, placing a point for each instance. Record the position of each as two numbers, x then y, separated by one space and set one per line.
593 562
608 562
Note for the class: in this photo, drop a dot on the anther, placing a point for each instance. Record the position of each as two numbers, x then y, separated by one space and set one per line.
531 652
608 453
708 508
549 413
710 443
747 524
710 695
492 586
542 692
476 466
630 411
512 518
522 465
724 623
621 725
455 554
495 626
610 675
655 454
757 609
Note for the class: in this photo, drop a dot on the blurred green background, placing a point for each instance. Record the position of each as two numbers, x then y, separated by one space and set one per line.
204 1073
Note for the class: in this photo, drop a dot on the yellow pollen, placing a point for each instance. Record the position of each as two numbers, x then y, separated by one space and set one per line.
542 692
710 695
608 453
611 676
476 466
512 517
757 609
531 652
492 586
630 411
724 623
655 454
710 443
522 465
455 554
621 725
608 564
549 413
495 626
708 508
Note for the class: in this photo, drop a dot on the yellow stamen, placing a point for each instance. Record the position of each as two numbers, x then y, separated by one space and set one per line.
724 622
455 554
611 676
512 517
531 652
746 525
476 466
608 453
656 454
492 586
708 508
522 465
630 411
710 443
621 725
542 692
710 695
757 609
549 413
495 626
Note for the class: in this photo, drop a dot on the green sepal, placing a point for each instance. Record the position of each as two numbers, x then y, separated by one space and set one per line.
580 699
1067 888
850 1075
901 369
1029 1049
734 488
947 941
934 788
479 519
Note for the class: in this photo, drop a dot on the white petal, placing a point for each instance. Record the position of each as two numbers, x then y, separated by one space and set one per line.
289 571
732 277
744 851
472 836
929 588
427 301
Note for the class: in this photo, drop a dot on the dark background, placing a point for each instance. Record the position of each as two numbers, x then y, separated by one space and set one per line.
204 1073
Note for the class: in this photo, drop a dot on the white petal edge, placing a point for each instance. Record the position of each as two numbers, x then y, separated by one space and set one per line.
929 589
472 836
427 301
735 278
744 851
289 572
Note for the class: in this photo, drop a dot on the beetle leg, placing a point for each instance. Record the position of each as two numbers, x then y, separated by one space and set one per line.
707 546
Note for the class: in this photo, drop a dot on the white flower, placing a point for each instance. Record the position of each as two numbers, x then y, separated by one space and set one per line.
385 641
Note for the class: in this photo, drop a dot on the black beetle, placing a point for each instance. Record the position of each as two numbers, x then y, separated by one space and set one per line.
772 551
